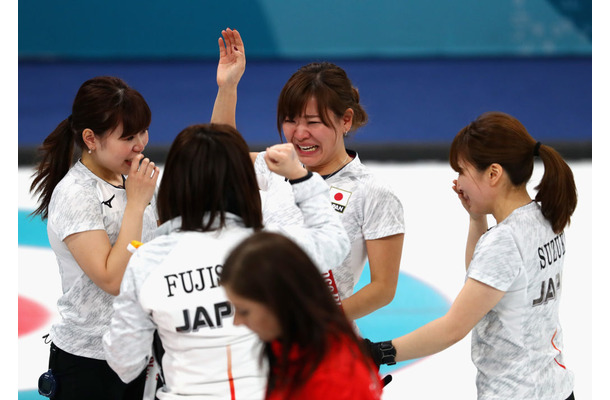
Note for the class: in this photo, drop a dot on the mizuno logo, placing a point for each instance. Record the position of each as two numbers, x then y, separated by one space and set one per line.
108 202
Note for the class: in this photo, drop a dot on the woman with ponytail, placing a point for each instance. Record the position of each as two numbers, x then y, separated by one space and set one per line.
94 208
510 300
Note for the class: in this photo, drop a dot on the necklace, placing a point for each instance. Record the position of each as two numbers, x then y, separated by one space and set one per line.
343 164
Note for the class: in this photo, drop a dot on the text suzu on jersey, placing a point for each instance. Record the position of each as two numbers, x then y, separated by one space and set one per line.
548 254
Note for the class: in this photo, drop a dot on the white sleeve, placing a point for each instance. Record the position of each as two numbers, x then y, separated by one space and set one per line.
262 171
73 209
322 236
383 213
128 342
496 260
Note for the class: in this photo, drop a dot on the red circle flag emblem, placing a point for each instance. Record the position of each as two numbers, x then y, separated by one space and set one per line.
338 196
32 315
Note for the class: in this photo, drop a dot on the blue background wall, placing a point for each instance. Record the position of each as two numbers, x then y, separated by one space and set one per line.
424 68
304 29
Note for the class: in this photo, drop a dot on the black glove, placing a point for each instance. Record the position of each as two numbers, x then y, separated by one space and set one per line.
382 352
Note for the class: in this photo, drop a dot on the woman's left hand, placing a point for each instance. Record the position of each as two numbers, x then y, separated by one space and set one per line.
232 62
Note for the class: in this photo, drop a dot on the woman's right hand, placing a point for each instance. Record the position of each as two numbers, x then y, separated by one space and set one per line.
466 204
232 62
283 160
141 182
477 226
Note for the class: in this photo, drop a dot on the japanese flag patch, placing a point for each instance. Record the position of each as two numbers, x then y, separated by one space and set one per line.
339 198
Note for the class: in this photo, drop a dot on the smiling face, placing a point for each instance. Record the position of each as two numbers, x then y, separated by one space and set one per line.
120 151
112 154
320 148
255 315
471 183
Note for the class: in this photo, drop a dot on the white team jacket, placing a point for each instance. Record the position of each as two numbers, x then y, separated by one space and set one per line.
171 285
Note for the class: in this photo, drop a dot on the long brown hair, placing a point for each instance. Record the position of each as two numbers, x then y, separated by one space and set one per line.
329 85
271 269
208 171
496 137
101 104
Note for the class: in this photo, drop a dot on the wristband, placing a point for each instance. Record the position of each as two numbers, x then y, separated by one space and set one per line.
382 352
298 180
388 353
133 246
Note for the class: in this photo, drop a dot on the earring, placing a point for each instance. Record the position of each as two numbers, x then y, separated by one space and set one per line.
89 151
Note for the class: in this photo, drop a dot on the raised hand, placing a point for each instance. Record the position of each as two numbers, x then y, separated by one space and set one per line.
460 195
466 203
141 182
283 160
232 61
477 226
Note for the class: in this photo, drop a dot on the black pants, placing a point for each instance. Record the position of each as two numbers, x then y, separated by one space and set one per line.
81 378
571 397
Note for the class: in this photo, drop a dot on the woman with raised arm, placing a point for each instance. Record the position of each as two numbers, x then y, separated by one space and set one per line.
317 108
510 301
208 202
94 208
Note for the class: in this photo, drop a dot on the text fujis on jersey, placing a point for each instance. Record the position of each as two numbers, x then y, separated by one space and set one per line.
193 281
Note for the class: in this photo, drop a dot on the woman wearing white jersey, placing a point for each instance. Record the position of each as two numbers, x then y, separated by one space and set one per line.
317 108
510 300
208 202
93 212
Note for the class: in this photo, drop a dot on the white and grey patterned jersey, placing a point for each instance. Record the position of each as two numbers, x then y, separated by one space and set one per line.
517 347
84 202
368 209
171 285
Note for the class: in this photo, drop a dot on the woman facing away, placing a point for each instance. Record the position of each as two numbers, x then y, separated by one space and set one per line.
208 202
510 300
309 345
317 108
94 208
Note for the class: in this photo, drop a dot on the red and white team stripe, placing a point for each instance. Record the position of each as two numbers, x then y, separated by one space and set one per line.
230 373
329 278
555 347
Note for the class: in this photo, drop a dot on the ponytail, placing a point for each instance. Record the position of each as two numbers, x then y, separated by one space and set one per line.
56 154
557 190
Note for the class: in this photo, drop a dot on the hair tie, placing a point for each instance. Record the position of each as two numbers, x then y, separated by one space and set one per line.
537 149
